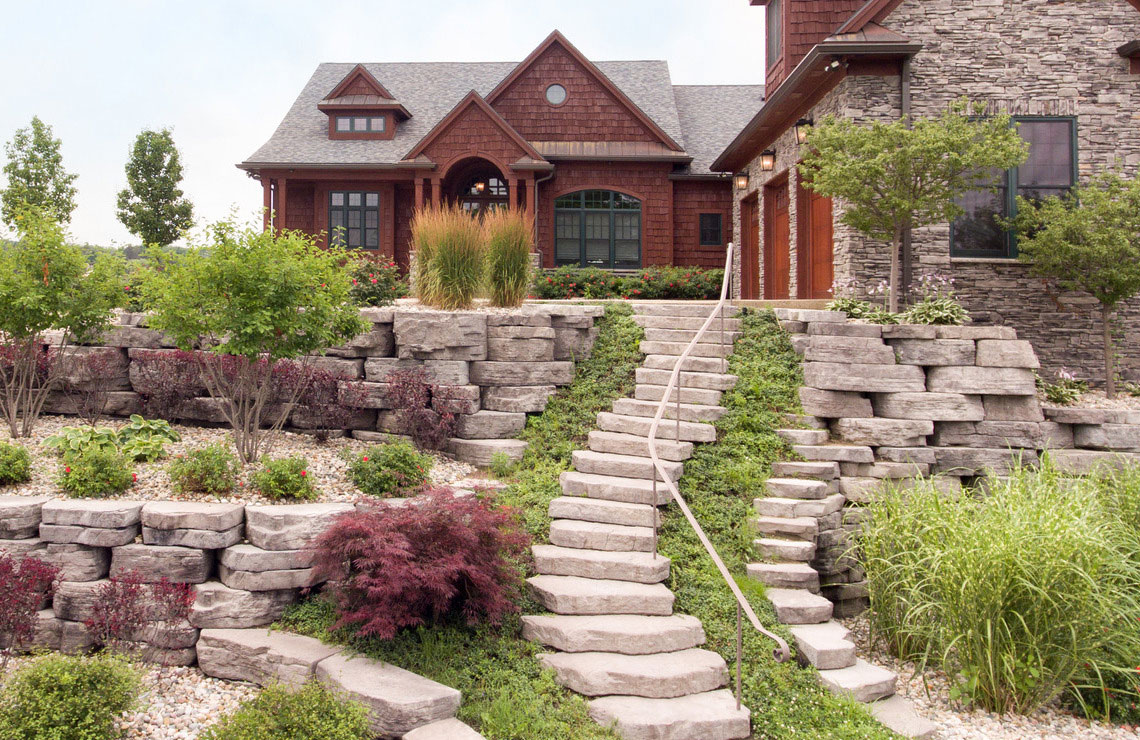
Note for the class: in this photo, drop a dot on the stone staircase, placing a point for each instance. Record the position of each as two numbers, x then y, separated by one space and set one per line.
612 622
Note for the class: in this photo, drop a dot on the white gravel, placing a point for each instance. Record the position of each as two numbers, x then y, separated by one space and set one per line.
1097 400
326 465
930 693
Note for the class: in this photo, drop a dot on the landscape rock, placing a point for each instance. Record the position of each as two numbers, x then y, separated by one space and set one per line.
574 343
31 547
79 562
379 342
935 352
985 380
218 606
966 461
74 601
848 349
490 425
444 729
91 536
432 335
834 404
929 406
248 557
456 399
201 539
20 516
481 452
522 373
883 432
442 372
1012 408
290 526
1006 353
1121 437
178 564
192 515
863 378
260 656
92 513
518 399
268 580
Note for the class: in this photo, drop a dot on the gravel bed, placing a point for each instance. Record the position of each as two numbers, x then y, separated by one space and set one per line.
327 467
930 693
1096 400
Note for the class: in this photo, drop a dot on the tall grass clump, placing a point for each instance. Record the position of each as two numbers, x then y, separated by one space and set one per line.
450 257
1019 594
510 240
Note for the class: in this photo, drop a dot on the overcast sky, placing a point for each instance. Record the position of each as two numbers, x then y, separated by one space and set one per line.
221 74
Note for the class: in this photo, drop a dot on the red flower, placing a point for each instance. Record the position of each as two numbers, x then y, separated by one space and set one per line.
134 476
365 458
67 470
374 280
302 473
127 288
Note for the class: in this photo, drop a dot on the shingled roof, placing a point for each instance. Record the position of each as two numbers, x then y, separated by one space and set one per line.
704 118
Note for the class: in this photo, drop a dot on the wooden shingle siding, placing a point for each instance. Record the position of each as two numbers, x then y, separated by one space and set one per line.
690 200
473 133
806 23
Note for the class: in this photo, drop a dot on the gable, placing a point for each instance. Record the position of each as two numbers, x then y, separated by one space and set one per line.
473 128
359 81
594 109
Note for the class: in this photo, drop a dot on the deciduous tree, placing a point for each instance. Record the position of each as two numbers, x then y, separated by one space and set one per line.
153 206
36 177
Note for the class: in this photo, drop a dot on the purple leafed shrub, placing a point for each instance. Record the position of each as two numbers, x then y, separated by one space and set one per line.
89 397
24 586
128 611
166 380
439 557
328 400
409 393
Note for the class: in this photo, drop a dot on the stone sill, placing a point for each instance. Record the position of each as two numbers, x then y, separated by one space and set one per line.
987 261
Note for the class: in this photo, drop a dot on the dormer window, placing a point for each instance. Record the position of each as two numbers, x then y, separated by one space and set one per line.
361 124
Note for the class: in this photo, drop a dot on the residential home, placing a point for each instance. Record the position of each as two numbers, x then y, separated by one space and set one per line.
1068 71
610 158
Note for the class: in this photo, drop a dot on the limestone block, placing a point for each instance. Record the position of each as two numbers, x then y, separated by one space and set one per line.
64 534
522 373
306 419
437 335
993 434
1119 437
835 404
519 331
975 332
80 371
843 329
888 432
260 656
967 461
218 606
135 337
441 372
524 316
79 562
799 343
391 422
1056 436
480 452
31 547
203 408
518 399
930 406
1012 408
864 378
290 526
201 539
490 425
119 403
74 638
192 515
268 580
456 399
444 729
179 564
923 455
574 343
1066 415
1006 353
48 632
1084 462
92 513
868 350
20 516
908 331
374 396
378 314
985 380
378 342
248 557
75 601
521 350
892 470
934 352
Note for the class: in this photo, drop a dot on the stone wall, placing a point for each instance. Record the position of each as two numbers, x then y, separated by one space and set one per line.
957 403
492 368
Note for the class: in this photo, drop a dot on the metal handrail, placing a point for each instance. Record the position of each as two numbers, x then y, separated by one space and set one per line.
781 653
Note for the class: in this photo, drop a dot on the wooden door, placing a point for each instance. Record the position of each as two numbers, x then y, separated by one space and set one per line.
777 242
749 252
814 244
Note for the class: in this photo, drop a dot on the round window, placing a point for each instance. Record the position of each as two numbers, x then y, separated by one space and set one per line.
556 94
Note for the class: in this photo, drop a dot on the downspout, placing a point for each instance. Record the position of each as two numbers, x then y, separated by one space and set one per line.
907 255
538 182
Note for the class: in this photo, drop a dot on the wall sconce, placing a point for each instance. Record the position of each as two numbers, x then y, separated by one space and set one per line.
768 160
480 187
741 181
803 126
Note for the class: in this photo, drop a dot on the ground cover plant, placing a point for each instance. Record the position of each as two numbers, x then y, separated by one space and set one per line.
394 469
314 712
140 440
24 585
669 283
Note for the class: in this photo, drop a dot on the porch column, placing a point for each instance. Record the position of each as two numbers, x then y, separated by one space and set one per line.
528 184
436 191
282 203
419 186
266 202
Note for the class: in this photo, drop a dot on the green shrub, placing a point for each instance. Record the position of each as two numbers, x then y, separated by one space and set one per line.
376 280
211 469
315 712
95 472
510 240
285 477
61 697
70 440
15 464
937 310
390 470
141 440
1019 595
502 466
651 283
450 257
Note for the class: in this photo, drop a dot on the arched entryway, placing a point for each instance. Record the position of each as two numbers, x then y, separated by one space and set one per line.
477 185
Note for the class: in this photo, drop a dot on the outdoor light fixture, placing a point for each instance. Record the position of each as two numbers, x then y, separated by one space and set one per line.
768 160
802 127
480 187
741 181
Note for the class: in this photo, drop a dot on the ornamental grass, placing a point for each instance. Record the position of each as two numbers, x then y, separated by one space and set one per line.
510 240
450 257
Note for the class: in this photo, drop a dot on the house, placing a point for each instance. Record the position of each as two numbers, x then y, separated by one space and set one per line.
1067 70
610 158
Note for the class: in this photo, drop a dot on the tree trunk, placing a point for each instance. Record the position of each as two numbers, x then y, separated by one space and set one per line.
1109 369
896 244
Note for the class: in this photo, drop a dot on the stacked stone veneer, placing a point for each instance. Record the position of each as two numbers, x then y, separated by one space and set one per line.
955 403
491 368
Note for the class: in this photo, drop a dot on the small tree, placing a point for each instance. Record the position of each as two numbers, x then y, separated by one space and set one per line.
252 299
46 285
1088 241
152 206
36 177
902 175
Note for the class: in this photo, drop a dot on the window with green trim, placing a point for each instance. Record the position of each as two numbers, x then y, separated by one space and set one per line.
712 229
598 228
1051 170
354 219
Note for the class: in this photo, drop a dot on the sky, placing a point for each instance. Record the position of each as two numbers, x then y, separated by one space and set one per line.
222 74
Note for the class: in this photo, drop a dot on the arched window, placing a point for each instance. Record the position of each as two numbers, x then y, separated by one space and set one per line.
598 228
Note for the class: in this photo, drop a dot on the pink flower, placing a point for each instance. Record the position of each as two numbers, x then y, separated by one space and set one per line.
373 280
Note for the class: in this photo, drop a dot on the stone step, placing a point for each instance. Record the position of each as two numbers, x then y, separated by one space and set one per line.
806 422
803 436
798 528
656 676
667 429
603 512
612 488
690 365
585 596
683 309
631 444
835 453
800 488
773 548
711 336
595 536
826 645
785 575
689 411
793 507
709 381
709 716
898 715
637 567
624 466
798 606
678 322
863 682
678 348
629 634
816 470
703 396
444 729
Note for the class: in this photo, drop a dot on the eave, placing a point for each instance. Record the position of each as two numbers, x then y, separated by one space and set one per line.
328 106
1130 50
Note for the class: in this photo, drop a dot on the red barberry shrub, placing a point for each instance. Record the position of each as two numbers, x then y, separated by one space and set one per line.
437 558
87 384
327 401
409 393
129 613
166 380
24 586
